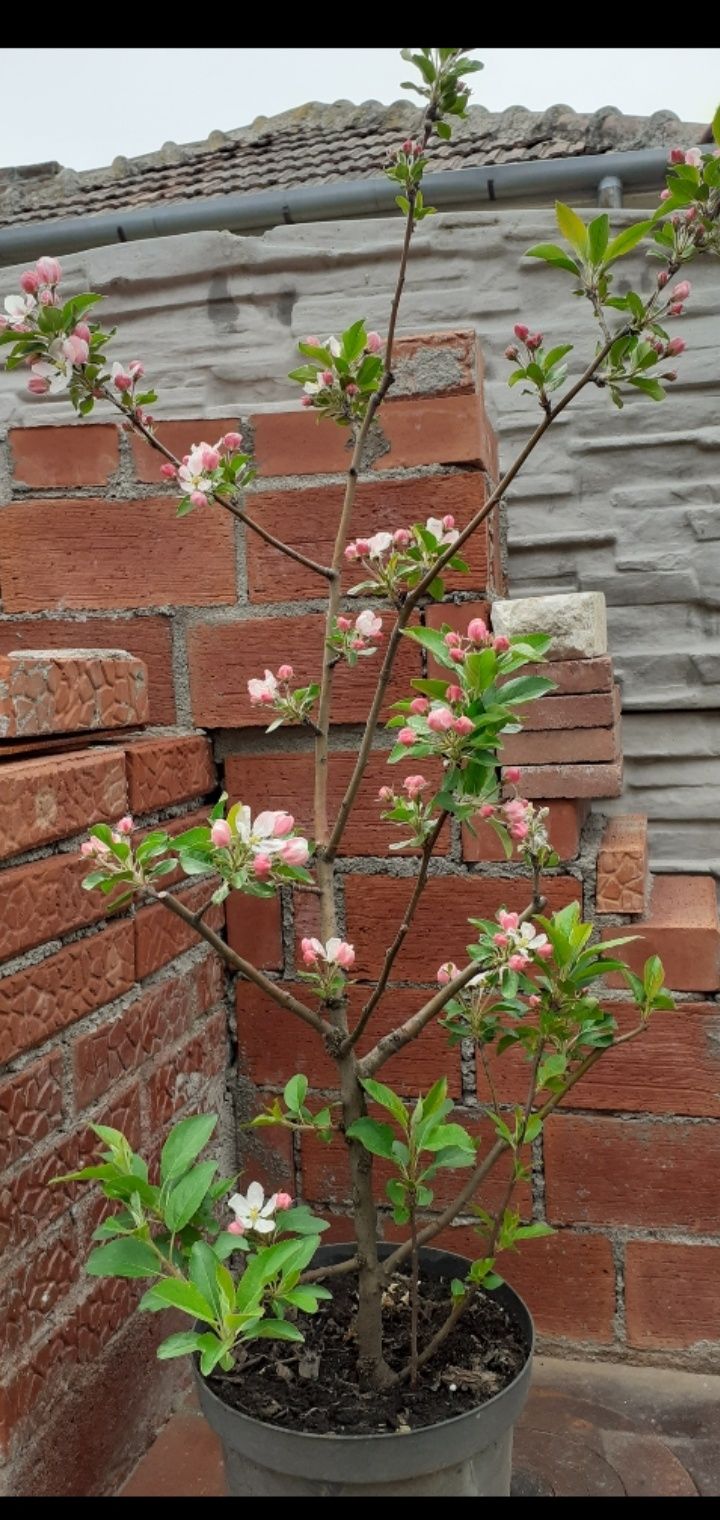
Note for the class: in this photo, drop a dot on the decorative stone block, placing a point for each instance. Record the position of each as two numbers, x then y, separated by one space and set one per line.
575 621
63 691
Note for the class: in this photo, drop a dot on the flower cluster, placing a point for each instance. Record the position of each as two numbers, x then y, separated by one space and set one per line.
409 810
521 824
96 848
543 372
343 373
327 965
254 1213
210 470
349 639
396 561
259 847
276 691
518 942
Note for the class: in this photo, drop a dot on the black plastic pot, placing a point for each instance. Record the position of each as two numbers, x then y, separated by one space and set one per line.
467 1456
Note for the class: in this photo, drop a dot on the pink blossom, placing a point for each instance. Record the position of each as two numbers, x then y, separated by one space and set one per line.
125 825
663 279
284 824
235 1227
517 962
419 706
341 955
344 624
121 381
447 973
262 867
545 951
363 547
283 1201
501 644
386 793
664 195
521 331
294 852
519 831
312 342
136 369
511 352
87 847
351 389
232 441
29 282
448 523
694 157
440 720
198 498
351 553
47 298
676 156
401 538
76 350
407 736
262 691
168 470
512 774
209 457
534 341
676 309
310 948
676 346
454 694
507 920
327 377
408 146
374 343
306 401
501 940
487 810
452 639
285 673
534 1001
414 785
368 624
220 834
48 271
681 291
458 655
464 725
38 386
357 642
477 631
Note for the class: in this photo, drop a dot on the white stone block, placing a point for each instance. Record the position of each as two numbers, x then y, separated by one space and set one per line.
575 620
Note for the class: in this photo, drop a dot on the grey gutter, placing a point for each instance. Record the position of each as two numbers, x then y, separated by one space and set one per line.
452 190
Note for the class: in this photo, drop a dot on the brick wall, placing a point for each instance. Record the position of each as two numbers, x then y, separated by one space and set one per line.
135 1019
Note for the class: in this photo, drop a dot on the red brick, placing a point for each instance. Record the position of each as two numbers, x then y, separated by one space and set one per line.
437 364
152 1022
64 456
31 1106
307 520
267 1156
43 800
437 430
561 746
622 865
602 780
186 1077
223 656
273 1044
440 931
632 1172
210 982
39 1001
179 438
326 1173
672 1294
566 1280
576 677
31 1292
265 781
114 554
594 710
160 936
682 928
147 638
564 824
46 899
60 691
164 771
455 615
254 929
299 443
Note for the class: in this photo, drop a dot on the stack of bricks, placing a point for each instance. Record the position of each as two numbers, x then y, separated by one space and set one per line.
120 1023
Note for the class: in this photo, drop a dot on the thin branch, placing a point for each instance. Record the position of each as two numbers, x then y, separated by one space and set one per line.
391 953
245 968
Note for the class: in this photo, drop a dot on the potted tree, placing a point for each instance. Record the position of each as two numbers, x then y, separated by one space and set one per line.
403 1366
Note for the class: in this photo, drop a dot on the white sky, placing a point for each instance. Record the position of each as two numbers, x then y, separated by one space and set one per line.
181 94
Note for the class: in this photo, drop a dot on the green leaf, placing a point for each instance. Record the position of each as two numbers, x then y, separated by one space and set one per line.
387 1099
598 233
306 1297
434 641
123 1258
535 1231
187 1195
353 340
653 975
571 227
176 1293
449 1135
555 354
716 127
267 1264
443 130
626 241
295 1092
301 1221
277 1330
524 689
181 1344
184 1143
376 1138
649 387
203 1271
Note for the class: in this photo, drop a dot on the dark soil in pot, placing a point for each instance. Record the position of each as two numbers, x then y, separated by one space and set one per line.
313 1387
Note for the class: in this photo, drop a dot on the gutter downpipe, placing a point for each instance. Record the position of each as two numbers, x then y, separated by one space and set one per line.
256 212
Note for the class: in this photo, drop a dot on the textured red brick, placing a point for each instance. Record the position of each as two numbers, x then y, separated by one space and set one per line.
222 657
114 554
440 931
164 771
160 936
438 364
64 456
633 1172
307 520
31 1106
437 430
564 824
622 865
267 1155
43 800
273 1044
593 710
566 1280
43 900
61 691
299 443
683 929
254 929
561 746
42 999
185 1077
152 1022
147 638
30 1293
179 438
273 780
672 1294
576 677
588 780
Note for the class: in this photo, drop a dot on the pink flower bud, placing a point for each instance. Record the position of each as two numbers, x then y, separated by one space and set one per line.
307 401
327 377
662 279
464 725
87 847
401 538
76 350
501 940
477 631
511 352
407 736
122 382
521 331
46 298
681 291
168 470
283 1201
676 156
38 386
284 824
446 973
209 456
262 867
362 546
345 955
220 834
234 1227
386 794
285 673
198 498
358 642
512 774
232 441
458 655
670 375
487 810
664 195
440 720
136 369
519 831
517 962
414 785
676 346
508 920
545 952
454 694
29 282
694 157
408 146
501 644
344 623
312 341
448 523
452 639
534 1001
351 389
48 271
374 343
534 341
676 309
125 825
419 705
309 952
351 553
295 852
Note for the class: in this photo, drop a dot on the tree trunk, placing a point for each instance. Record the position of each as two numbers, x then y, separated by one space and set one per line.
371 1363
